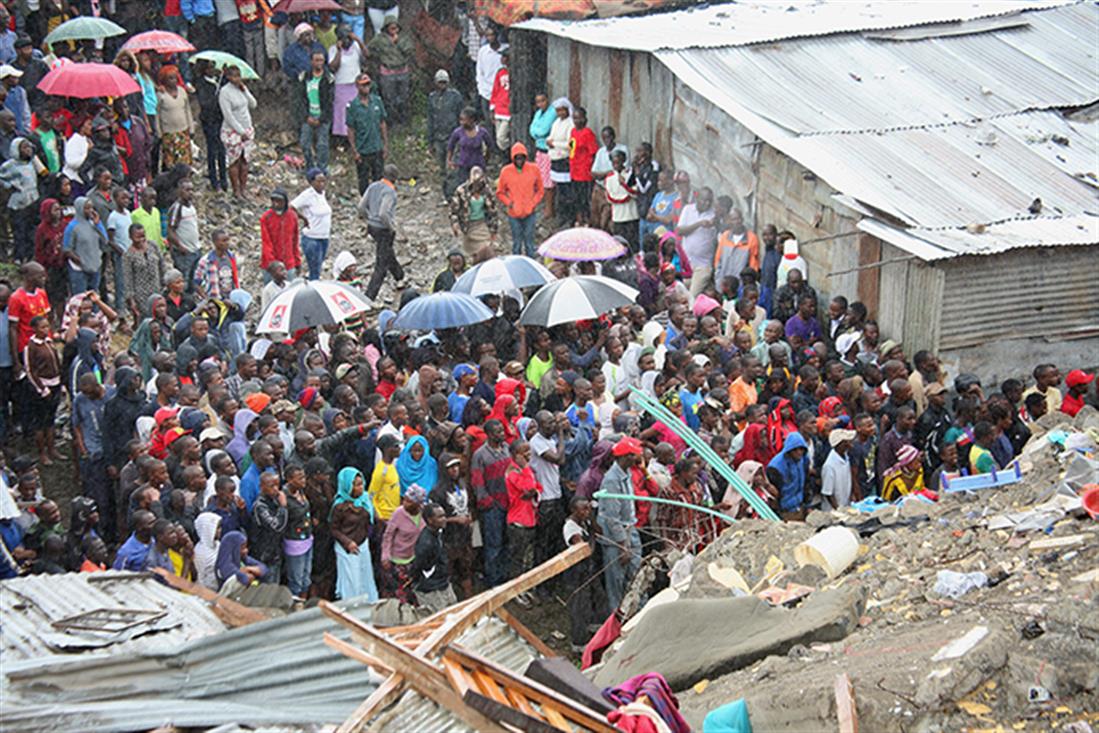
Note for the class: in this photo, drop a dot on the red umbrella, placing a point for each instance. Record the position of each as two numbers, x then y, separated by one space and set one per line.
88 80
305 6
163 42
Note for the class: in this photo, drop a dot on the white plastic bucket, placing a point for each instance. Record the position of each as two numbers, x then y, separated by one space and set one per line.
832 550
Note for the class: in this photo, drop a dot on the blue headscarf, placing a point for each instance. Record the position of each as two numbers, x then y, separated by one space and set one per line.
410 471
344 481
230 561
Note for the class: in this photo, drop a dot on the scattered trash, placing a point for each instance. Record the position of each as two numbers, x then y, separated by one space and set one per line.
962 645
728 577
785 597
832 550
1032 630
950 584
1055 542
1038 694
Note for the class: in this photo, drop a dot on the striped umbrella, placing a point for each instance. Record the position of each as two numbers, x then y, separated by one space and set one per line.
582 244
576 298
308 303
441 310
163 42
501 274
85 28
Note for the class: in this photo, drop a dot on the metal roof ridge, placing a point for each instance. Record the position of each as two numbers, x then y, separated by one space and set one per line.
933 125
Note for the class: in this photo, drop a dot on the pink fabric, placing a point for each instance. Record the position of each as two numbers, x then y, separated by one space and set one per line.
608 632
661 698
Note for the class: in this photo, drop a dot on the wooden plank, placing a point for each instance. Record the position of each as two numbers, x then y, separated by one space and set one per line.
506 714
526 634
459 680
425 678
460 617
488 686
555 718
520 701
359 655
534 691
845 705
230 612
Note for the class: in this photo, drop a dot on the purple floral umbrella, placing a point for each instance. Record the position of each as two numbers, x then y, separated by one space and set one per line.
582 244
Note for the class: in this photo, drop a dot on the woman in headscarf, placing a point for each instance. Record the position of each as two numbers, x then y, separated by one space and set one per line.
120 415
557 150
153 334
415 466
905 476
351 521
592 478
754 474
514 387
173 119
756 446
208 528
473 215
780 423
88 360
506 410
399 544
683 528
238 447
235 569
48 237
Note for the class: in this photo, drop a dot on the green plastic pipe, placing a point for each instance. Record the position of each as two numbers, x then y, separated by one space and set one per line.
658 500
704 451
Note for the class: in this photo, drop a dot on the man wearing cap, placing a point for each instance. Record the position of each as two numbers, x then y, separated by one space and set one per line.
1078 383
835 475
394 53
32 68
297 57
618 522
932 424
367 132
16 100
443 107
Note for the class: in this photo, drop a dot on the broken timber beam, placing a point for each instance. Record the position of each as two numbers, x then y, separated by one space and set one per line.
526 634
231 613
425 677
845 705
458 619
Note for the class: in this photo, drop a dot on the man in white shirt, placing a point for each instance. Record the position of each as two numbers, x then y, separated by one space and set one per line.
489 61
836 477
698 229
547 456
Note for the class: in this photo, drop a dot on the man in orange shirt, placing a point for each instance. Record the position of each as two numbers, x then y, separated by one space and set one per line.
737 248
519 192
742 390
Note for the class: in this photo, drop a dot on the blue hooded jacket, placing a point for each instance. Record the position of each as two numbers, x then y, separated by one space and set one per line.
793 473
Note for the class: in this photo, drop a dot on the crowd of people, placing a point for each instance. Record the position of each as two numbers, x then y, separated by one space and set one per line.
358 459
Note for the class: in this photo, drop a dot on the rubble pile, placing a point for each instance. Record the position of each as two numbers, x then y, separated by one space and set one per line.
978 612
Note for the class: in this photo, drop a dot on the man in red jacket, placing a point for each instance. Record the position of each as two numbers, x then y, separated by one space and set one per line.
519 192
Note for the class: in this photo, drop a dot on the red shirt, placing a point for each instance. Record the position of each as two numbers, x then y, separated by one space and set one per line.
500 100
1071 404
23 307
171 8
279 233
582 150
386 388
519 481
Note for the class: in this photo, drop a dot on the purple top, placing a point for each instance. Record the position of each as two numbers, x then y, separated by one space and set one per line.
468 151
809 331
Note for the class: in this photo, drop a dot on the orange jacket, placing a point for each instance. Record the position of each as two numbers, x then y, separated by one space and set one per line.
519 191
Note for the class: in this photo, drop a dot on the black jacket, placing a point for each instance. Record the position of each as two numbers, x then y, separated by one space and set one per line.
301 101
268 526
429 567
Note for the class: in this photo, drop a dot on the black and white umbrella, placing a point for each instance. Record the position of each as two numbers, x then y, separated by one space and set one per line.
576 298
308 303
501 275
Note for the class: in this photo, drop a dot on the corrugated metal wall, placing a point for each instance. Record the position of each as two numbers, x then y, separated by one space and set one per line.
1045 293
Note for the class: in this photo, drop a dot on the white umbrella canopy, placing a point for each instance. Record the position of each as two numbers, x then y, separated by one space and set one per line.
576 298
501 275
308 303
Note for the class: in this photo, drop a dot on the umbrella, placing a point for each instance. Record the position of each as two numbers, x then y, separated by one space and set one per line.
163 42
88 80
576 298
221 60
441 310
582 244
501 274
305 6
308 303
85 28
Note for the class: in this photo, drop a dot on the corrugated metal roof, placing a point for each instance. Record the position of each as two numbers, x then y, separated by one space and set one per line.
846 83
29 605
938 244
277 672
743 23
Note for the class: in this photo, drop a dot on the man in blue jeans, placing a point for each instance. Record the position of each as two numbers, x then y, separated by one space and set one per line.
519 191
